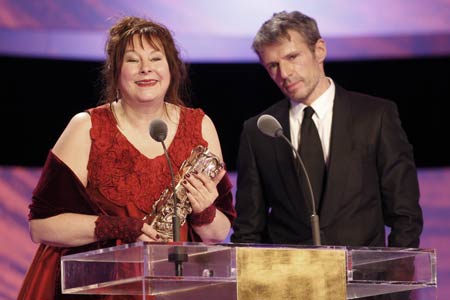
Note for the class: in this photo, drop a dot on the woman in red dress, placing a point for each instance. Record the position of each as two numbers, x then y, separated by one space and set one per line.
105 172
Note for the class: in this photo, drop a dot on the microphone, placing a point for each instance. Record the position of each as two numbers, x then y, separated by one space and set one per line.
158 131
270 126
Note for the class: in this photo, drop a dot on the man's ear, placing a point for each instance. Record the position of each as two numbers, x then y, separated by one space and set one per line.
320 50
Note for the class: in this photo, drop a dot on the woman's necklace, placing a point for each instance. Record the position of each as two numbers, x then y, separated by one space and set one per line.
113 110
125 120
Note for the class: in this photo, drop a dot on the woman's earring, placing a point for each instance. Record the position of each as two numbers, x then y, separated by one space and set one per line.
117 95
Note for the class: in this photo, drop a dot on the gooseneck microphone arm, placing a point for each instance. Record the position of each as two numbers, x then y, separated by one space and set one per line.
158 131
175 219
315 224
271 127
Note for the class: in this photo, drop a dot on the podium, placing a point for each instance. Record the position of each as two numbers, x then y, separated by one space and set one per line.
251 271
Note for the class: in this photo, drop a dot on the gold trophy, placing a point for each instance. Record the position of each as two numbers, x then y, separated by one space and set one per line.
160 218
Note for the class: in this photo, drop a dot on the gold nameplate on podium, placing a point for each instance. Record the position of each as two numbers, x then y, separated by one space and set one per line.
314 274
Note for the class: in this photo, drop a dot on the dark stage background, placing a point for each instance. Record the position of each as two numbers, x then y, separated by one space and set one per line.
39 96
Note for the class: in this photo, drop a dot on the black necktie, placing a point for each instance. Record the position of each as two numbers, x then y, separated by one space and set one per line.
312 154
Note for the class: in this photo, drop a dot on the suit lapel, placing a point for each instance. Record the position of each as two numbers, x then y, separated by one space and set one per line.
340 149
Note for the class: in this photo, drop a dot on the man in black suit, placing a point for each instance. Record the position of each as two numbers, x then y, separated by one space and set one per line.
370 178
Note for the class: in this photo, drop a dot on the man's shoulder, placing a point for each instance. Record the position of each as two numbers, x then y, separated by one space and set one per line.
273 110
361 99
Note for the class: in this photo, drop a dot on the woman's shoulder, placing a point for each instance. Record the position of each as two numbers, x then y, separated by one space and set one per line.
192 112
185 115
73 145
78 129
100 110
102 118
78 125
193 118
202 125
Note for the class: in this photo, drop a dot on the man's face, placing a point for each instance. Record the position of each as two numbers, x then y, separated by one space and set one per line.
294 67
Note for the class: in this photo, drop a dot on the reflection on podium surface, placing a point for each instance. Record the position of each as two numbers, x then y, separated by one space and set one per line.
252 271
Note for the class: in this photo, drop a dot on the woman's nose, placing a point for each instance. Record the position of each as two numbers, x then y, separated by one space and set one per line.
146 67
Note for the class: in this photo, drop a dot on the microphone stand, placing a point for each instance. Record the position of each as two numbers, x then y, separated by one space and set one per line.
177 255
175 219
315 224
271 127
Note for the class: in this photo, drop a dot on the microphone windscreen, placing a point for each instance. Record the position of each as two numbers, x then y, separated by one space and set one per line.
269 126
158 130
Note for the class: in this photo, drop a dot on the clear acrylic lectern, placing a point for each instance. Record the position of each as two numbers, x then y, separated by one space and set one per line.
251 271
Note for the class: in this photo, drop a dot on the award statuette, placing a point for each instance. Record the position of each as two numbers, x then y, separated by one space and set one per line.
200 160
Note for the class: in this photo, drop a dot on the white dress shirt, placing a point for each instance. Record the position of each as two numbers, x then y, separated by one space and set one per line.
323 108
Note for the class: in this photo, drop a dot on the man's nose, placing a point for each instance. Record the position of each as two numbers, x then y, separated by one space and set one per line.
285 70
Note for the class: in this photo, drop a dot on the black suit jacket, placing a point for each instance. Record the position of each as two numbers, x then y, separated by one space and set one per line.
371 180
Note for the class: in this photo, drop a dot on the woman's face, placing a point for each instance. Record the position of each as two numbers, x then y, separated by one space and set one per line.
145 74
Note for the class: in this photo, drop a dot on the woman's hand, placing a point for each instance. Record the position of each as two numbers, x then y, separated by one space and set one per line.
149 234
201 190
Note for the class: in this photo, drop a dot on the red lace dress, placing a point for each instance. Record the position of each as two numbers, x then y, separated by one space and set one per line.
121 182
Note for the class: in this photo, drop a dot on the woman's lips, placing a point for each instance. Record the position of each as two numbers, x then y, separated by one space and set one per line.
149 82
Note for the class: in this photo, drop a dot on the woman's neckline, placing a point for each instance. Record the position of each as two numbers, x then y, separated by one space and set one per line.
113 119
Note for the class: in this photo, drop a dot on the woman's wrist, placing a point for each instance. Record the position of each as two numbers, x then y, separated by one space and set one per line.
203 218
126 229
